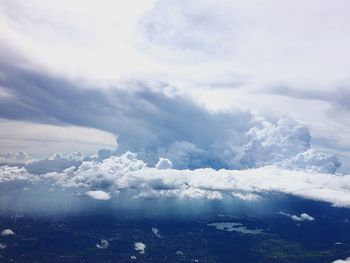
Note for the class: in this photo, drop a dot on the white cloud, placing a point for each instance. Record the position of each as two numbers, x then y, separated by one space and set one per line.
8 173
140 247
7 232
98 195
347 260
197 193
105 173
247 196
2 246
302 217
312 160
103 244
156 232
164 163
200 36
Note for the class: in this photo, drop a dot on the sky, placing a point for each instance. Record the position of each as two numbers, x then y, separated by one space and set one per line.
231 85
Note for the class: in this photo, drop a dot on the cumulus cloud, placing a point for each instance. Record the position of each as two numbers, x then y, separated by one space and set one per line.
140 247
7 232
127 174
14 173
98 195
154 124
55 163
314 161
247 196
106 173
2 246
103 244
156 232
347 260
302 217
164 163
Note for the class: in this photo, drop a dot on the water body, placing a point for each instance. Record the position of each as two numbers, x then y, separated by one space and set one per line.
236 227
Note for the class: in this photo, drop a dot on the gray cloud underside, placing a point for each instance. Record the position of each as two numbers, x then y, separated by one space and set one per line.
141 116
153 124
338 97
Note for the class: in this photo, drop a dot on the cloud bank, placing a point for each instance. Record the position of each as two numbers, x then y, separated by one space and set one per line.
126 175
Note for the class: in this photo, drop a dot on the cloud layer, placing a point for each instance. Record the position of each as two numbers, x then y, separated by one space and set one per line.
126 175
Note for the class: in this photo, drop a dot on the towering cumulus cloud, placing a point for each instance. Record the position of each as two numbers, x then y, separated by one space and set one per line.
155 124
168 146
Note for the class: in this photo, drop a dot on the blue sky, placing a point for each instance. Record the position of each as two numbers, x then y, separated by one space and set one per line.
189 81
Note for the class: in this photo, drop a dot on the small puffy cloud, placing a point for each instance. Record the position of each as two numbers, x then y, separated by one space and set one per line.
103 244
7 232
347 260
156 232
302 217
164 163
2 246
140 247
98 195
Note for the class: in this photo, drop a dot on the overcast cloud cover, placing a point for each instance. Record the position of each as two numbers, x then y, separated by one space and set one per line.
177 99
